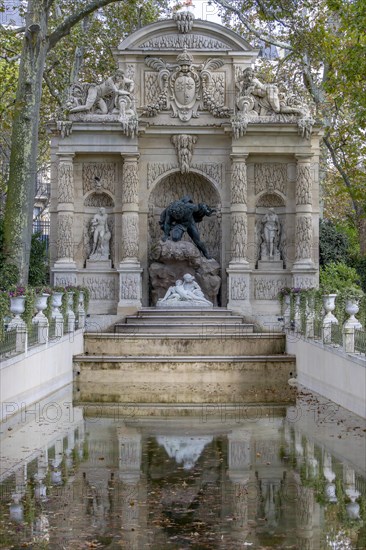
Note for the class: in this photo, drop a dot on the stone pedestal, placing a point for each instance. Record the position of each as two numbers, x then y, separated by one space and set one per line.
98 265
130 288
270 265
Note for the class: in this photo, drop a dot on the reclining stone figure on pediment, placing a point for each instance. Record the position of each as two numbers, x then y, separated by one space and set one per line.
262 102
111 100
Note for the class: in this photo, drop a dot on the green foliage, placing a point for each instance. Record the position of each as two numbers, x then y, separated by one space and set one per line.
38 263
9 273
29 306
333 243
337 276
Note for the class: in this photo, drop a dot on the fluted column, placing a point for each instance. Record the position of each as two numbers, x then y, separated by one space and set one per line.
303 267
239 459
65 209
238 271
129 267
65 266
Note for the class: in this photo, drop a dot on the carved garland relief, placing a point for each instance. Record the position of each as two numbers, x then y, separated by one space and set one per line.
238 236
304 237
65 181
212 170
100 288
304 184
99 174
270 177
64 236
130 236
239 183
267 289
130 183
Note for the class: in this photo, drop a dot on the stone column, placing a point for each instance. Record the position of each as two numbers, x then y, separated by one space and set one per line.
65 219
304 273
238 270
129 268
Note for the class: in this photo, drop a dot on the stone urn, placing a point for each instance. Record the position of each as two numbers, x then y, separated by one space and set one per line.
330 492
352 308
40 305
329 307
56 302
16 510
70 315
17 307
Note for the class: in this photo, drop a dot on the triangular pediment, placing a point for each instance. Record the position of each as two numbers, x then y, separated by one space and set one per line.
203 36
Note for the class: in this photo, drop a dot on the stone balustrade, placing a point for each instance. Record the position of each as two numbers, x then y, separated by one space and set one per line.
304 317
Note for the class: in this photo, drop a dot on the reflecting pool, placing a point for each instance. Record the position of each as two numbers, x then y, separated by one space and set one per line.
225 477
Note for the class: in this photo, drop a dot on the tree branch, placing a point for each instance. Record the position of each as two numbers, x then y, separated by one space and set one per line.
262 36
10 59
51 89
345 178
65 27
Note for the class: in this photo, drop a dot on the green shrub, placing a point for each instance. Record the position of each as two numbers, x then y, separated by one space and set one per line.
333 243
38 262
338 276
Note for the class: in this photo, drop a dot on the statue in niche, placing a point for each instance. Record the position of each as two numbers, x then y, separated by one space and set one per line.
270 233
101 236
182 215
187 291
117 87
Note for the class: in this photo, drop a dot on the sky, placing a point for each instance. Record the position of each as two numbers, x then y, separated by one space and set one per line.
203 9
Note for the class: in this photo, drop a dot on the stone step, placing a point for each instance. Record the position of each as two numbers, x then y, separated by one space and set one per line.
189 319
232 380
98 359
206 312
200 329
188 345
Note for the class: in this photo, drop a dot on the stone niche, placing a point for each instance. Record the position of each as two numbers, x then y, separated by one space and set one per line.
184 114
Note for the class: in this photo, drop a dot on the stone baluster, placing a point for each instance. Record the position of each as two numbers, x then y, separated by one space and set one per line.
65 211
238 271
129 267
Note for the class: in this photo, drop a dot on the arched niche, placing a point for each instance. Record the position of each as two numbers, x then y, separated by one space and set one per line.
92 202
276 201
175 186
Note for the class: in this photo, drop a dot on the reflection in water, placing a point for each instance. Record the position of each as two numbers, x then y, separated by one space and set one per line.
182 483
185 450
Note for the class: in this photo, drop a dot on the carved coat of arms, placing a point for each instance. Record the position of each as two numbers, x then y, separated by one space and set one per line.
185 87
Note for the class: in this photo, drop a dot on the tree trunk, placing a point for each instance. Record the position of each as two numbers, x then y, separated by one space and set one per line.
23 159
361 226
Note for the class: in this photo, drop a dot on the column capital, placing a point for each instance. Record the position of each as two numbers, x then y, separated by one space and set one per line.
66 156
304 157
239 157
130 157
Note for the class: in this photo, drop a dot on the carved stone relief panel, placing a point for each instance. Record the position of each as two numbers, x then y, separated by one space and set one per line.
102 174
239 183
304 184
65 236
100 286
98 200
267 288
238 235
176 186
304 237
212 169
217 88
184 145
270 177
238 289
181 41
60 279
130 287
65 182
301 281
